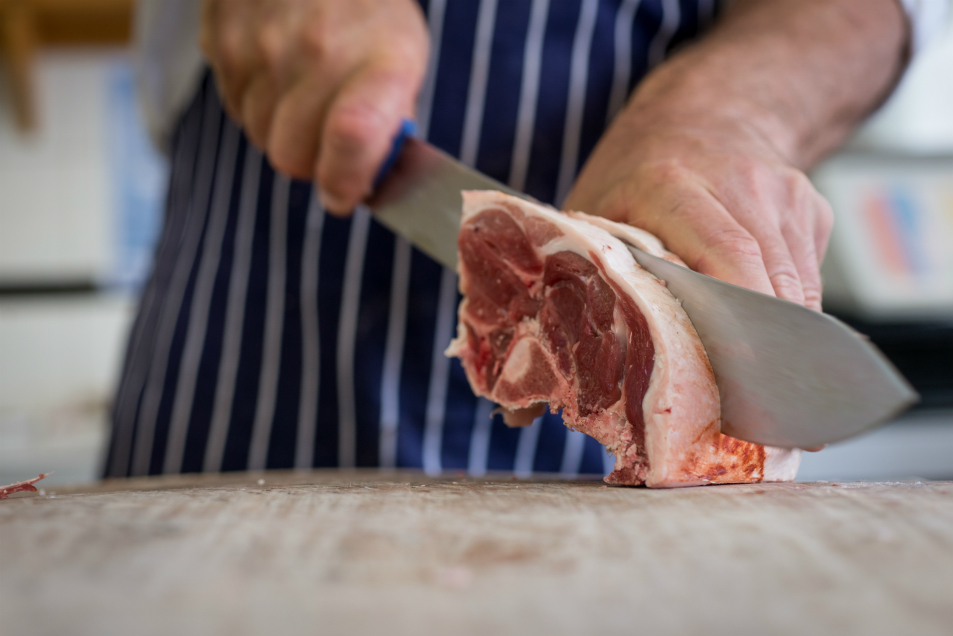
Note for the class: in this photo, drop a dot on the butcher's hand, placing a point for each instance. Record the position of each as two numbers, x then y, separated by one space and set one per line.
321 86
718 196
709 152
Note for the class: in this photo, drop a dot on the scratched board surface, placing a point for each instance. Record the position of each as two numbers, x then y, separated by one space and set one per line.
399 553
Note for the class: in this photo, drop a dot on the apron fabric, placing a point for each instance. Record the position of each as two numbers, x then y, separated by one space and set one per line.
272 335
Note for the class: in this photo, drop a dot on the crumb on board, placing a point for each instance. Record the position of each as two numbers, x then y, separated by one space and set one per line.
21 486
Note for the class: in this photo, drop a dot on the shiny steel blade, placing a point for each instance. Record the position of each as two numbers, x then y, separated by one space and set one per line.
419 198
788 376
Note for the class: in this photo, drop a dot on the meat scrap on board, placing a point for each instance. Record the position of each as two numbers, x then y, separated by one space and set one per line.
557 312
21 486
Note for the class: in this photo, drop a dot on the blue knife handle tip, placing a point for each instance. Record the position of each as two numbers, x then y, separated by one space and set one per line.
408 127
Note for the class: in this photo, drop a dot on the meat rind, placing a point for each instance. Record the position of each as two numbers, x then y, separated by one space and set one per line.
681 443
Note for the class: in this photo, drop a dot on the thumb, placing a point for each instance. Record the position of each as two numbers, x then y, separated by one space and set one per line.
358 131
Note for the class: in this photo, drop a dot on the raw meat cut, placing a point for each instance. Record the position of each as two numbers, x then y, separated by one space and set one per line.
21 486
556 311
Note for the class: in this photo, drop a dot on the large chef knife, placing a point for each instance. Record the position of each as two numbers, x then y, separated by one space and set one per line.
788 376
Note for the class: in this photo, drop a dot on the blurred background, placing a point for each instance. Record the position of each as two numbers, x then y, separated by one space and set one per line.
81 198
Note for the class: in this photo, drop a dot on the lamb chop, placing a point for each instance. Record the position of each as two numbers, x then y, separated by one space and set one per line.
557 312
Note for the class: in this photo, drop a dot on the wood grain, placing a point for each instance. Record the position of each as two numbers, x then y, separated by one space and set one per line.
398 553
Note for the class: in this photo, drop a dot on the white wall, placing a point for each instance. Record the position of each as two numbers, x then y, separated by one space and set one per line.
59 359
55 207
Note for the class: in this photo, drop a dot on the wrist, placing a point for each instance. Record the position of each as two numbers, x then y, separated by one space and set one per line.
794 75
699 97
671 121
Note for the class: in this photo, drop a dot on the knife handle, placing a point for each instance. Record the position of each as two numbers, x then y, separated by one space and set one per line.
407 129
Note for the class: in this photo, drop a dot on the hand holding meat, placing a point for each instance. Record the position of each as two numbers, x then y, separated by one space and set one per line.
720 198
319 85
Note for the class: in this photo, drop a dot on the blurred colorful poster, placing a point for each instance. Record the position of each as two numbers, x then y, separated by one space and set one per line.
893 237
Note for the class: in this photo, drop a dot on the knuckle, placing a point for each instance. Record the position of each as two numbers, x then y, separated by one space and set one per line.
798 182
343 187
751 174
799 189
749 180
787 282
735 242
666 171
227 49
812 296
786 279
620 203
315 40
255 121
812 285
270 45
402 55
353 128
287 162
824 214
348 187
728 245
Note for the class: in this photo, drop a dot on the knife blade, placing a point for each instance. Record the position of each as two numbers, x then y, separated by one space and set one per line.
788 376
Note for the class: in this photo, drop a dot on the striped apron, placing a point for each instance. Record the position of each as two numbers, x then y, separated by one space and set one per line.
272 335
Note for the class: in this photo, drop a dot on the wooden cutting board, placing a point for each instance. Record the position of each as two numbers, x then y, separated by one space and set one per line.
398 553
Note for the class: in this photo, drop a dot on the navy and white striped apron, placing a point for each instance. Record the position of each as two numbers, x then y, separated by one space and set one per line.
272 335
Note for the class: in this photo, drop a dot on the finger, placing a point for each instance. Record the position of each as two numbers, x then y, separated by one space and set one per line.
223 38
258 107
805 225
232 106
823 224
270 78
697 227
780 265
798 233
357 134
756 206
809 272
295 134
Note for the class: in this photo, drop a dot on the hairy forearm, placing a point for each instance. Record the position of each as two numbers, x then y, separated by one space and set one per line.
797 74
